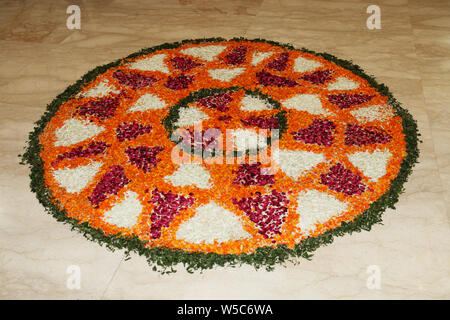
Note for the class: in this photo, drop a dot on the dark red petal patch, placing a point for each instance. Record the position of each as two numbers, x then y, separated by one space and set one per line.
250 175
179 82
261 122
218 101
92 149
144 157
134 80
204 140
237 55
111 183
320 131
318 77
103 108
342 180
267 79
343 100
166 206
184 64
357 135
129 131
279 63
267 211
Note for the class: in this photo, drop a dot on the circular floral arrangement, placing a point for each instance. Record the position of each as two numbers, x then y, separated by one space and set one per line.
215 152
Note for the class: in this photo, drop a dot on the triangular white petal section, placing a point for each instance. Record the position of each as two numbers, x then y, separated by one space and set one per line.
190 116
371 113
247 139
294 163
304 65
252 103
125 213
317 207
189 174
74 131
305 102
212 223
153 63
342 83
260 56
76 179
225 74
102 89
373 165
148 102
207 53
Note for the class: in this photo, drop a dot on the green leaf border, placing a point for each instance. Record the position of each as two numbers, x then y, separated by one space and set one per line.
163 259
174 113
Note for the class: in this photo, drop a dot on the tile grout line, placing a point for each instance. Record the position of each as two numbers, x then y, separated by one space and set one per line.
112 278
253 19
426 110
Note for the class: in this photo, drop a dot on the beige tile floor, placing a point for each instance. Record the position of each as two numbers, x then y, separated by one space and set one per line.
40 57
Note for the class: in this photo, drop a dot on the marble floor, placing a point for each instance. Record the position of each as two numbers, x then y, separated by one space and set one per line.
40 57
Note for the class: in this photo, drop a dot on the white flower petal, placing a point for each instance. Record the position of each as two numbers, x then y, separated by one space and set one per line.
259 57
76 179
247 139
74 131
305 102
371 113
189 174
190 116
212 222
342 83
153 63
102 89
125 214
304 65
252 103
317 207
295 163
373 165
225 74
207 53
148 102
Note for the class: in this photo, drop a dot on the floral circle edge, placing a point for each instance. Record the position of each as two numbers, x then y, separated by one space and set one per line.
173 115
163 259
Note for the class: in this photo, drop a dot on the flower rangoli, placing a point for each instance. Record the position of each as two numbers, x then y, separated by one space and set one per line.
212 152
